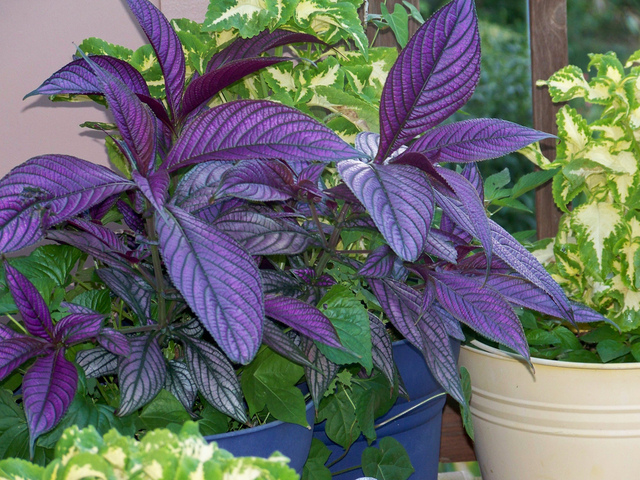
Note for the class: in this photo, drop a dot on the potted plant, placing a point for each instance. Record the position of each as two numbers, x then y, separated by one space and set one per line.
234 225
581 400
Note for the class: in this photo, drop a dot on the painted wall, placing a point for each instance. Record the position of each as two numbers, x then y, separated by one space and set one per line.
36 38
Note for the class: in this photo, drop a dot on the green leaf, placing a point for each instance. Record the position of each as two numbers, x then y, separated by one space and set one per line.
566 83
611 349
495 183
163 410
465 409
391 460
351 320
635 351
314 467
246 17
567 338
53 262
213 421
117 158
269 380
511 203
598 334
398 21
363 115
18 469
97 46
145 61
97 300
531 181
338 410
414 12
540 336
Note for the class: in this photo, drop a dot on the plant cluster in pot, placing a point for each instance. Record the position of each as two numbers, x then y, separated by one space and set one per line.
582 400
234 225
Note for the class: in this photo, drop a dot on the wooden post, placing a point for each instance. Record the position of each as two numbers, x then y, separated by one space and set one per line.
549 53
387 39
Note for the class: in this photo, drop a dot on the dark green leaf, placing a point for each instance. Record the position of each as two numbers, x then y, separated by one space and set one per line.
49 261
531 181
398 21
494 183
163 410
213 421
599 334
314 468
567 338
611 349
96 300
465 410
539 336
389 461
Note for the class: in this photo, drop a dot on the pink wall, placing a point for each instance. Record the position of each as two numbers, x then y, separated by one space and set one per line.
37 37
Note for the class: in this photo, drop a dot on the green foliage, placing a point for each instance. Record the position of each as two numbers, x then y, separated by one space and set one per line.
390 460
161 454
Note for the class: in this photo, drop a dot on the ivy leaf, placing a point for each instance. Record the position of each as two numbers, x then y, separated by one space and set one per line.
398 21
314 467
391 460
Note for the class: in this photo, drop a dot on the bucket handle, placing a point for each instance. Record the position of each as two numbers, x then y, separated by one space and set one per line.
395 417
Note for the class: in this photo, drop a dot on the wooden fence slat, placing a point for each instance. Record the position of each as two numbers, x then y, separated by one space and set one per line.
549 53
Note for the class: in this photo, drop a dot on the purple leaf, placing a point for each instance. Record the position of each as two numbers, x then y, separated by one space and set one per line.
131 218
472 173
105 235
214 211
258 180
281 343
30 304
135 120
115 342
141 375
451 325
584 314
98 211
73 308
215 378
15 351
454 212
262 235
48 389
523 262
482 308
323 372
180 383
478 261
97 362
6 333
303 318
78 327
218 279
198 186
380 263
78 78
441 245
473 205
398 199
367 143
167 46
203 88
435 75
191 328
254 46
47 190
90 244
128 289
439 356
250 129
402 304
154 187
382 349
474 140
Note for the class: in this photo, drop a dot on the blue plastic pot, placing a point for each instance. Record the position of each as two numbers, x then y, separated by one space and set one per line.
293 441
416 424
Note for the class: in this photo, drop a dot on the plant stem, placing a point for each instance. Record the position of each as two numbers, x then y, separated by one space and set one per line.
146 328
157 270
316 220
17 323
354 252
333 240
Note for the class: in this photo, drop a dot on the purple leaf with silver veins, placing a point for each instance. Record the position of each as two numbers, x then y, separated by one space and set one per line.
380 263
15 351
154 187
281 343
102 233
77 328
167 47
398 199
48 388
47 190
474 140
215 378
181 384
198 186
114 342
141 375
320 377
257 180
30 304
262 235
125 286
131 218
250 129
472 173
303 318
451 325
382 349
90 244
97 362
435 75
218 280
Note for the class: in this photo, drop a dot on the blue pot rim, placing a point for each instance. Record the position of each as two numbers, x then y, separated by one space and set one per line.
248 431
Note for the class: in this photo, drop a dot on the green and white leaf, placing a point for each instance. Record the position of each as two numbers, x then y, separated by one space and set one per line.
566 83
596 221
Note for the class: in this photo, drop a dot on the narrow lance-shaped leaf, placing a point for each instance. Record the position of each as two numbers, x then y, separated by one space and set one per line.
97 362
281 343
47 190
141 375
320 377
154 187
125 286
474 140
435 75
167 46
382 349
15 351
250 129
398 199
7 333
181 384
102 233
451 325
218 280
262 235
78 327
302 317
482 308
215 378
48 389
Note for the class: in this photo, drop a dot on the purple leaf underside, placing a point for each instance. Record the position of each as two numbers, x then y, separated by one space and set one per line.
128 289
256 129
398 199
382 349
323 372
154 187
114 342
47 190
218 280
102 233
435 75
283 344
303 318
97 362
141 375
181 384
90 244
257 180
198 186
380 263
